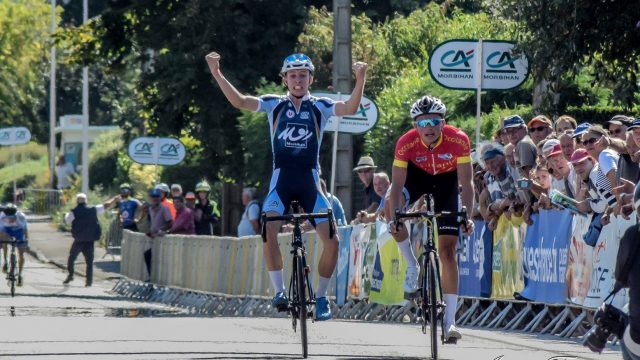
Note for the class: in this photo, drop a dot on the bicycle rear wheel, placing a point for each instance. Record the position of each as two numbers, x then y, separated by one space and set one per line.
302 302
12 274
432 276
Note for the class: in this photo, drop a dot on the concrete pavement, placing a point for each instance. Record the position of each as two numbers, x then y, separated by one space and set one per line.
48 244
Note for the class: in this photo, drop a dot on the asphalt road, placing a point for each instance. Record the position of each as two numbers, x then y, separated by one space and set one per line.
47 320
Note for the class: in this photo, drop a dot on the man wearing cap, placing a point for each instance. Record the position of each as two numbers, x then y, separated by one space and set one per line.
581 129
525 151
190 200
500 179
176 190
160 221
539 128
365 170
85 229
634 129
617 126
164 196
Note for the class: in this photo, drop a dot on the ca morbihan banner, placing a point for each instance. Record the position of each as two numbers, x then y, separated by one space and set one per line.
362 121
454 64
545 255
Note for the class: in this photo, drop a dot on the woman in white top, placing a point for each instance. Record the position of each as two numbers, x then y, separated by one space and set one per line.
603 174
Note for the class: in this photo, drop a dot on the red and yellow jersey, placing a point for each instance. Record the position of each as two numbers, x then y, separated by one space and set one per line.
451 149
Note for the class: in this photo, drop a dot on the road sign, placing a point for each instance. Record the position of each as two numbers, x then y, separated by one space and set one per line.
14 136
453 64
362 121
156 151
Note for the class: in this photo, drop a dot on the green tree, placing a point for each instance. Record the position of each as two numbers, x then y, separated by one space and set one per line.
24 38
562 36
168 39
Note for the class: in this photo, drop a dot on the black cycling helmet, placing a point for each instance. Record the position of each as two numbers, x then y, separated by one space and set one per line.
428 105
9 209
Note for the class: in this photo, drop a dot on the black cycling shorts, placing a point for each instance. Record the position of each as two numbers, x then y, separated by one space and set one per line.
443 187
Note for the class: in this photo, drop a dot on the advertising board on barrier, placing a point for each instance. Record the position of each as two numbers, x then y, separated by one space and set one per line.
506 265
604 263
579 262
359 239
389 269
474 262
342 268
544 256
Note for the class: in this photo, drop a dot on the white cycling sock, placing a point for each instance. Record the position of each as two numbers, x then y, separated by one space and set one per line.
450 313
276 280
323 284
407 251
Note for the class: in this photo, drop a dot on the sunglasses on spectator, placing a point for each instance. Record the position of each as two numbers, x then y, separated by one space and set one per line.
539 128
590 141
364 171
512 130
616 131
429 122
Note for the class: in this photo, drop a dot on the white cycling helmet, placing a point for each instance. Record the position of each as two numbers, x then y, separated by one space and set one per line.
428 105
297 61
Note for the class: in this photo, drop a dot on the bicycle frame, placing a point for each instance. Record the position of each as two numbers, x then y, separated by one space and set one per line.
300 291
13 268
429 301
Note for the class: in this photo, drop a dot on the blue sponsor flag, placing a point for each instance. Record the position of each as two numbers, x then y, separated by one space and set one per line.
474 262
342 275
544 256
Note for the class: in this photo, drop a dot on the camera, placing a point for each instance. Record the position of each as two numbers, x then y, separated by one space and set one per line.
523 184
607 321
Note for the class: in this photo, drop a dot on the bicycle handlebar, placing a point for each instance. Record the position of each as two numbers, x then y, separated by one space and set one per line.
301 216
460 215
298 217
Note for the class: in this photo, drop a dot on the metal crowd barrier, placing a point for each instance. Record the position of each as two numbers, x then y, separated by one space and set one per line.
227 265
561 320
40 201
114 237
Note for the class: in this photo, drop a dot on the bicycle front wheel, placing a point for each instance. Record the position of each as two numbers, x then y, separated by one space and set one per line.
432 278
302 302
12 274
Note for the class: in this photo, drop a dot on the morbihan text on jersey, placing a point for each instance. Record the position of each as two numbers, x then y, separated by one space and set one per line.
296 134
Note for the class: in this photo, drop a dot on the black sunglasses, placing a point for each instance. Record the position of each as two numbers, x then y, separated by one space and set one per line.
539 128
591 141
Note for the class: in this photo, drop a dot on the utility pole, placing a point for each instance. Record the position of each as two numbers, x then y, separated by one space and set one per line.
52 101
85 111
342 83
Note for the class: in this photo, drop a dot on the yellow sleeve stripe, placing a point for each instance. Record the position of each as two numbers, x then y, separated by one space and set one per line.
464 159
399 163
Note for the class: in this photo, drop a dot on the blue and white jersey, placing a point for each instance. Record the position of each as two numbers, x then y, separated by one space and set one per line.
296 135
15 228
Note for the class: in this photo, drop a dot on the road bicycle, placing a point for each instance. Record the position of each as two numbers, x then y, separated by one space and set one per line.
12 275
301 297
430 299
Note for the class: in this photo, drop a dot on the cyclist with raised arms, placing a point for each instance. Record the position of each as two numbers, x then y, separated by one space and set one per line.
296 122
434 158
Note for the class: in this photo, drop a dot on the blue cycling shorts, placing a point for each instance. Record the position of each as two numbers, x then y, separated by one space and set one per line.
303 185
